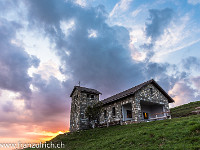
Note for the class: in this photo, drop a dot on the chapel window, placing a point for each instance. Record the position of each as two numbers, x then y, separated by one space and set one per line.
151 90
113 111
105 114
129 114
145 115
92 96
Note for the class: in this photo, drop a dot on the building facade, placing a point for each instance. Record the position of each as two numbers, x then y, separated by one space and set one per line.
144 102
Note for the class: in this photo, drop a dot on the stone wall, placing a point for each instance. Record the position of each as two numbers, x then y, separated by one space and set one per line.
147 93
144 94
84 103
75 111
80 101
118 110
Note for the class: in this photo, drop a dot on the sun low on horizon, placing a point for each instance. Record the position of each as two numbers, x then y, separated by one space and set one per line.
48 46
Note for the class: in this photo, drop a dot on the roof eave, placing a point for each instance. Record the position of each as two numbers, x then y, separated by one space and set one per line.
93 92
72 92
170 100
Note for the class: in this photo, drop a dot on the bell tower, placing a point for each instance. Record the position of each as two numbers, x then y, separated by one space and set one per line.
82 97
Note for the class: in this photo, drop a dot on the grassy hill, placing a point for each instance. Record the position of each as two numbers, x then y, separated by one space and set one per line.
184 110
177 133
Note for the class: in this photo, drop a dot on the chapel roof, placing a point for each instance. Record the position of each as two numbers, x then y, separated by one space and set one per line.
133 90
84 89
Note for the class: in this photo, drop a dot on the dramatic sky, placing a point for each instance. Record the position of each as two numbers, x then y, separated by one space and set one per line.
48 46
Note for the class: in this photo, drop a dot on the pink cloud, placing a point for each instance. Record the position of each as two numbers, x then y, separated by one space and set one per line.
182 93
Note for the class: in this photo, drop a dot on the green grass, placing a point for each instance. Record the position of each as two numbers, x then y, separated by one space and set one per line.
177 133
184 110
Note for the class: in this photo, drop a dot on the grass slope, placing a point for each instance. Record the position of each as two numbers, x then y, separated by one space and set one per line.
177 133
184 110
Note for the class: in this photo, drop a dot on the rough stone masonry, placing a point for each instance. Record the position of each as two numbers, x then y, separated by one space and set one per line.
142 103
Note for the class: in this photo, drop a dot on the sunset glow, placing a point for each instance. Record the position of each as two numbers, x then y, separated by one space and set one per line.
45 136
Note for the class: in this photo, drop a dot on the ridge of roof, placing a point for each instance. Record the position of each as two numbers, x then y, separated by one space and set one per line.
133 90
84 89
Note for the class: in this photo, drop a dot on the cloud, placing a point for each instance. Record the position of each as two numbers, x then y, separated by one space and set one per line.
7 6
191 63
8 107
180 34
14 61
121 6
158 21
196 82
49 103
105 59
82 3
46 70
49 111
194 2
136 12
182 93
103 62
52 94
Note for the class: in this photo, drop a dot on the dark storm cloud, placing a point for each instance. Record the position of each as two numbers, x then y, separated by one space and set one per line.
14 61
103 62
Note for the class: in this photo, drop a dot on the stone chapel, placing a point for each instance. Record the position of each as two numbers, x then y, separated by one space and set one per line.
142 103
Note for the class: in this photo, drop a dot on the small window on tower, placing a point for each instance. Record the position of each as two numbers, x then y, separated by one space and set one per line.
92 96
105 114
88 95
